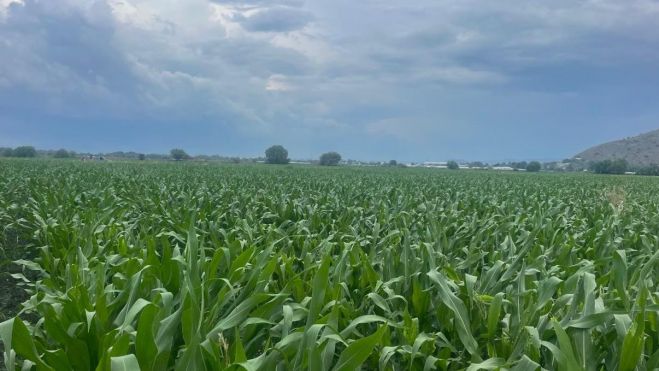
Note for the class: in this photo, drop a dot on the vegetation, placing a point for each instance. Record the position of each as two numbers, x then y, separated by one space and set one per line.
452 165
618 166
330 159
23 151
170 267
652 169
276 155
533 167
520 165
179 154
62 153
641 150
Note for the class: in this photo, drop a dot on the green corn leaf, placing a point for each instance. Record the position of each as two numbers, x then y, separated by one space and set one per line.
490 364
493 315
459 310
565 354
320 283
125 363
237 315
632 346
358 351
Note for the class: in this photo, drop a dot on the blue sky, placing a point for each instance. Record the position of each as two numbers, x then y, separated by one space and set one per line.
372 79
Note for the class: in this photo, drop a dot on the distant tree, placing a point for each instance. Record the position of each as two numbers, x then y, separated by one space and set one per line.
519 165
393 162
533 166
179 154
330 159
6 152
24 151
652 169
452 165
477 164
276 155
618 166
141 157
62 153
601 167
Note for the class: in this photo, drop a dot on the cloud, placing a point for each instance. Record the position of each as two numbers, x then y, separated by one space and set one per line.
255 3
69 65
276 19
5 4
460 75
278 83
354 74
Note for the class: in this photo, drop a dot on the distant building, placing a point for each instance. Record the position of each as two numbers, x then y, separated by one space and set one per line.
438 165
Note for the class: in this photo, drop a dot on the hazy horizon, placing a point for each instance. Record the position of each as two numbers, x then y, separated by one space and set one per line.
372 80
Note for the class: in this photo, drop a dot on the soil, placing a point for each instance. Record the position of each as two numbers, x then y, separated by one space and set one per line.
11 295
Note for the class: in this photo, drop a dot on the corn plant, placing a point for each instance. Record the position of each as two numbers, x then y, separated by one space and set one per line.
133 266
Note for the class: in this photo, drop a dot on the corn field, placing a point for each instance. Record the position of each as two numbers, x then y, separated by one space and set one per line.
168 266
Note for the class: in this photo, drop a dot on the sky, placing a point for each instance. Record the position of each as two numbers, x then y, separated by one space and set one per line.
423 80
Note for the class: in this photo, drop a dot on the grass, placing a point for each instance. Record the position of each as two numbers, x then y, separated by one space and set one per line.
192 266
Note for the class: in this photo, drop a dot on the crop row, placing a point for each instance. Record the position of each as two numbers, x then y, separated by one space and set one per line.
193 267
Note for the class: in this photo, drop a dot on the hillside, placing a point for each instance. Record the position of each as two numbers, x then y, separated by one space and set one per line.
639 150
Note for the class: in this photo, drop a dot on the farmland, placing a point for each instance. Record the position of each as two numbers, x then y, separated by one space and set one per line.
162 266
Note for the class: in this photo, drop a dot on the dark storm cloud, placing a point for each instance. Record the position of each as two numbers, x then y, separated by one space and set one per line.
55 57
429 79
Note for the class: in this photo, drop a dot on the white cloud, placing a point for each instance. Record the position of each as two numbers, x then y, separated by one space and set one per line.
5 4
278 83
136 16
275 19
309 43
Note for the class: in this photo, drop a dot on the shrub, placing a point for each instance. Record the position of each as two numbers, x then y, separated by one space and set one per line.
330 159
62 153
25 151
618 166
533 166
276 154
652 169
179 154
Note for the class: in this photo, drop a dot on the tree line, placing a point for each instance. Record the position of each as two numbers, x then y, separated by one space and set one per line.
22 151
277 154
621 166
